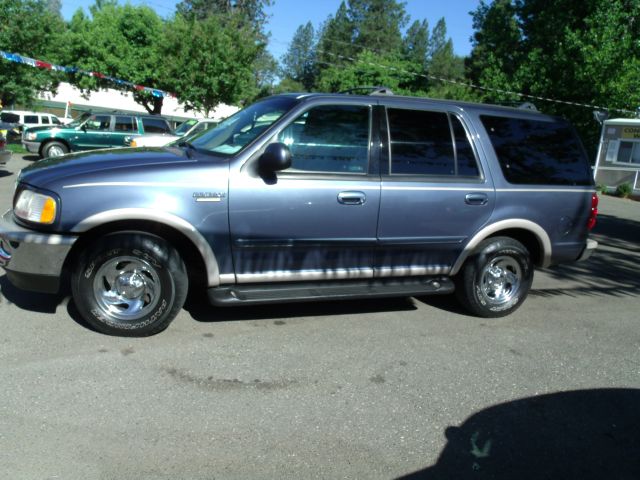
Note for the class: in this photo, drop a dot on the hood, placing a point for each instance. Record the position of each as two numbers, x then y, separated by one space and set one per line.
44 172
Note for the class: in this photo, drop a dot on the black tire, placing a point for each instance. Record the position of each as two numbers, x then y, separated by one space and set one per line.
129 284
58 148
496 280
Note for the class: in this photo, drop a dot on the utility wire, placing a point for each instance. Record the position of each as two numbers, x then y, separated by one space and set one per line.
462 83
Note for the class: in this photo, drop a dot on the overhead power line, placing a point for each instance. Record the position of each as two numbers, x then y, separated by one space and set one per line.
465 84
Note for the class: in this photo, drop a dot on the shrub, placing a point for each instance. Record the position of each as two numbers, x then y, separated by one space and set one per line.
602 189
624 190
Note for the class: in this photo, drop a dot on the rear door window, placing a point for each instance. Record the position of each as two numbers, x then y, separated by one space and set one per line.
155 125
32 119
430 143
125 124
538 152
44 120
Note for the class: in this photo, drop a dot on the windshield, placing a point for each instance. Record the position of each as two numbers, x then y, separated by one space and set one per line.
240 129
184 127
76 122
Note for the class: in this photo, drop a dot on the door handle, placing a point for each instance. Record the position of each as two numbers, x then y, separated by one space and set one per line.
352 198
476 198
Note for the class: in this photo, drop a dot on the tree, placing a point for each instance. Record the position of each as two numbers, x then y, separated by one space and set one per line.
28 28
299 63
378 24
580 51
250 12
118 41
335 45
416 43
371 69
446 67
208 62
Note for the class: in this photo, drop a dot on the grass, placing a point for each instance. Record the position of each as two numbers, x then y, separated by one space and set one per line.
16 148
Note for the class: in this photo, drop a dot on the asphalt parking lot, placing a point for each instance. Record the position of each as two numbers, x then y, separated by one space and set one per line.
367 389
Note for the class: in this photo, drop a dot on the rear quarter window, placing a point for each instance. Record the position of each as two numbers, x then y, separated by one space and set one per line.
536 152
155 125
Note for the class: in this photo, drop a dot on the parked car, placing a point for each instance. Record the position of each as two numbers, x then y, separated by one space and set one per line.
26 119
306 197
92 131
184 130
5 154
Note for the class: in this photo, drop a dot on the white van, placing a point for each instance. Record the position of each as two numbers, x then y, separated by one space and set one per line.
29 119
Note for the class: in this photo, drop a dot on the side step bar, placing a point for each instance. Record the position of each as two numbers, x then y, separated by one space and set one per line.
255 294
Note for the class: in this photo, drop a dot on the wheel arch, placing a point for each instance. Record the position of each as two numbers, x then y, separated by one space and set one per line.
198 256
529 233
52 139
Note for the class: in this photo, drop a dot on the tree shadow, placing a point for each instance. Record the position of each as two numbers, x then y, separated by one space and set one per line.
584 434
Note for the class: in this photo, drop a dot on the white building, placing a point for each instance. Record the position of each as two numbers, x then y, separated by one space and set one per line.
110 100
618 158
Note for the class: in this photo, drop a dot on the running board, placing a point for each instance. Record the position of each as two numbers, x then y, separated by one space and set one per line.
255 294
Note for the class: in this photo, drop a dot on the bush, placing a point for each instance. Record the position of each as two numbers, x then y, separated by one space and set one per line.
624 190
602 188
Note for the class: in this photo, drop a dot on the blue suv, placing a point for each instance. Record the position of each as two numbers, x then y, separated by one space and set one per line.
306 197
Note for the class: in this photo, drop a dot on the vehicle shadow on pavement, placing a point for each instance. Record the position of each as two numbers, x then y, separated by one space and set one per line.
5 173
200 310
611 271
584 434
31 301
31 158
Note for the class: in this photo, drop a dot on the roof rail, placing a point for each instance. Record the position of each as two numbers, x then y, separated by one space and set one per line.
368 91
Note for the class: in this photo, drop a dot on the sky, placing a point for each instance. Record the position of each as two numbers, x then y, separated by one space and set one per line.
287 15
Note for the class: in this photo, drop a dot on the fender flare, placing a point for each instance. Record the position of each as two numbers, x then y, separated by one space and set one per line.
165 218
519 223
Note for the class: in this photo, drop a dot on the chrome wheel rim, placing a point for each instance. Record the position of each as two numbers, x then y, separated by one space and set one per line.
500 280
126 288
55 151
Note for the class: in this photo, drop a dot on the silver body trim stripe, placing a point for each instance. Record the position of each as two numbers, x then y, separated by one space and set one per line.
412 271
305 275
165 218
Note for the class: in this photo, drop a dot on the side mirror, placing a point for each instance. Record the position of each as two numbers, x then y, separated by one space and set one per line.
276 157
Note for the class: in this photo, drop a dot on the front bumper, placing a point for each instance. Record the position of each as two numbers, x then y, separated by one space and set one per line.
33 147
5 155
589 248
33 260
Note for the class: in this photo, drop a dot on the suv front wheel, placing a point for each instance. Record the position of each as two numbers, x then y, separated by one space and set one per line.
129 284
496 280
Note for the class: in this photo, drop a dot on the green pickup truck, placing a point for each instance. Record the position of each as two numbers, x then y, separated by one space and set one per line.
92 131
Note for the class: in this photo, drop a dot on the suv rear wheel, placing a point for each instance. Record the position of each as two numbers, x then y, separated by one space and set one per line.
496 280
129 284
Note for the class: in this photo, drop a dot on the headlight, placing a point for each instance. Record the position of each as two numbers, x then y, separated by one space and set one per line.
30 135
35 207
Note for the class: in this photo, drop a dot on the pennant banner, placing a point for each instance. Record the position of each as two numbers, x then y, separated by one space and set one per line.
14 57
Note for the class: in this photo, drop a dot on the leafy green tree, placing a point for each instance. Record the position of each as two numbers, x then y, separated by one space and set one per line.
580 51
445 67
416 43
299 63
252 12
335 44
208 62
370 69
31 29
378 24
118 41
